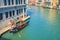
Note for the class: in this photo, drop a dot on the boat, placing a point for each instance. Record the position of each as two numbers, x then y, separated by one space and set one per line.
23 22
9 13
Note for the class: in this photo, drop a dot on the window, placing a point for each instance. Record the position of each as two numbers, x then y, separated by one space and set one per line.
6 13
1 16
24 1
5 2
8 2
12 2
16 1
13 13
39 0
21 1
10 13
21 10
24 9
17 12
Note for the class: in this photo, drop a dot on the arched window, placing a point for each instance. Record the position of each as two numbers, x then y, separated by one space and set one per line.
13 13
5 2
24 9
21 10
21 1
1 16
16 1
12 2
17 12
10 13
6 14
24 1
8 2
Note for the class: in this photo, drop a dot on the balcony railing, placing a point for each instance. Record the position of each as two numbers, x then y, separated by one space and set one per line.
12 5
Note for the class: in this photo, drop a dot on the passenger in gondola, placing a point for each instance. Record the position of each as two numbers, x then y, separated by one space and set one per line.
14 30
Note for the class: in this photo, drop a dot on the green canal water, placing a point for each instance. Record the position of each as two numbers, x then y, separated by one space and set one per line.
44 25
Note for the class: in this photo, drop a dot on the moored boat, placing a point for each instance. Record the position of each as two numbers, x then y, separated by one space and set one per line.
23 21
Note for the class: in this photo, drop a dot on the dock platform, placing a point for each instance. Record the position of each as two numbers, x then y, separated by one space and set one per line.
3 30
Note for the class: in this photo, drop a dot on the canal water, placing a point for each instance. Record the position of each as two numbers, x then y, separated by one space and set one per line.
44 25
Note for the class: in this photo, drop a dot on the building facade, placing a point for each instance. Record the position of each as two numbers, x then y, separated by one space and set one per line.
32 2
54 3
11 9
38 2
58 4
48 3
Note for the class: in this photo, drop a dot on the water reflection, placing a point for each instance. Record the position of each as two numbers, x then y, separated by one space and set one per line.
24 34
21 35
33 7
45 12
52 16
42 10
41 26
4 38
49 14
